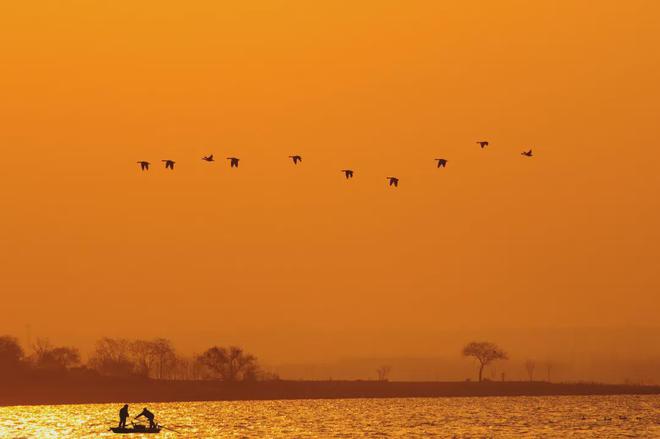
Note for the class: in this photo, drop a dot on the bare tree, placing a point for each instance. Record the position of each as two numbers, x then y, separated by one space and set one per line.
549 366
11 355
384 372
164 355
113 357
151 358
230 364
183 368
485 352
47 356
530 365
196 369
41 347
65 357
141 354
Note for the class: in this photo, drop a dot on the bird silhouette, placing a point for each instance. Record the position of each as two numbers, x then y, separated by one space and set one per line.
393 181
144 165
208 158
527 153
483 143
441 163
233 162
169 164
348 173
296 159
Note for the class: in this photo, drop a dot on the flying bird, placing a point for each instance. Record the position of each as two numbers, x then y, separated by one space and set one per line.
144 165
233 162
169 164
483 143
393 181
441 163
348 173
208 158
296 159
527 153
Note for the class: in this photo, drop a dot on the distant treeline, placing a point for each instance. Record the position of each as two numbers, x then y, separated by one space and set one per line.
157 359
122 370
118 357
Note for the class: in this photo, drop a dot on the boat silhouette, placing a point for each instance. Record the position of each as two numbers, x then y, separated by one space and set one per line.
139 429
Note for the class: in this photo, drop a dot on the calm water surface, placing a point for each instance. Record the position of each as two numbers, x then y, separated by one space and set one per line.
514 417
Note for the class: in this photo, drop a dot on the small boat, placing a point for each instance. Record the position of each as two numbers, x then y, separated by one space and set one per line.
141 429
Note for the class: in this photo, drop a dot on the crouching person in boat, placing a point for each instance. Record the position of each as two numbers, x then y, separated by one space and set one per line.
123 415
150 416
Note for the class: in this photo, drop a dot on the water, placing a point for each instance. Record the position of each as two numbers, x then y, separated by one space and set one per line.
497 417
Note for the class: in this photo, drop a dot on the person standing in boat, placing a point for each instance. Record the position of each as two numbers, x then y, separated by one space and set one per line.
150 416
123 415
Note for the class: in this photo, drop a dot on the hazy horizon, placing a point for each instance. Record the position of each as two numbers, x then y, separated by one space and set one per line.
613 355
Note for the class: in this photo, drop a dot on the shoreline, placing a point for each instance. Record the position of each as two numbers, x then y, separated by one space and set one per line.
117 390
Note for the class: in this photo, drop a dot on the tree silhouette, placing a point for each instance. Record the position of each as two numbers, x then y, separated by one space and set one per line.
153 358
113 357
530 365
230 364
165 356
141 354
46 356
384 372
11 355
485 352
550 366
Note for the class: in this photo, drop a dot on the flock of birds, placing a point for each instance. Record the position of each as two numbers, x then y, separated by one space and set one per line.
296 159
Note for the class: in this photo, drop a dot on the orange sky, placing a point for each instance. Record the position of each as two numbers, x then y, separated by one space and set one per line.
212 255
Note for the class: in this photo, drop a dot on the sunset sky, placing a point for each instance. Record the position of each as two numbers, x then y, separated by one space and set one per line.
269 254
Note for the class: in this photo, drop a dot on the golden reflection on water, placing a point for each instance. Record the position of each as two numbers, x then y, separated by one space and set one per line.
598 417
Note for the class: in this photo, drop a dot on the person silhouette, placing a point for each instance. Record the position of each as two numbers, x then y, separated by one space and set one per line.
123 415
150 416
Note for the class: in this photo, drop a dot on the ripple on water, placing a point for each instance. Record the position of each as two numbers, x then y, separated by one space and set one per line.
561 416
